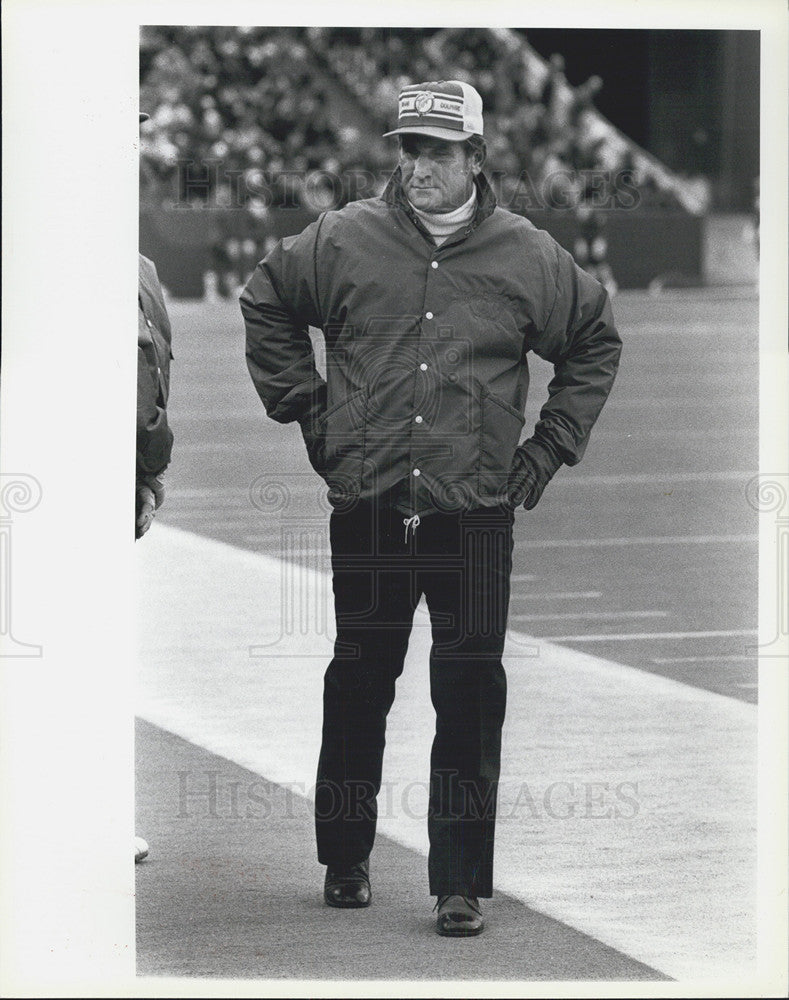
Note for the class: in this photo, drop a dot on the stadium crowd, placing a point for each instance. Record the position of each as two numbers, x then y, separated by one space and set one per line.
255 117
248 110
231 108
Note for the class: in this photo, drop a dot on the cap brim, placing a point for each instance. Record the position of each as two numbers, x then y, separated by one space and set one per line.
435 131
143 117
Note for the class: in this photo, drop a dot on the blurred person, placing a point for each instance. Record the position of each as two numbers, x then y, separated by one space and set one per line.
429 298
154 436
591 246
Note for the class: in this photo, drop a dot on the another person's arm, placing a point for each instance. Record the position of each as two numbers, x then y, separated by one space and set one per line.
154 435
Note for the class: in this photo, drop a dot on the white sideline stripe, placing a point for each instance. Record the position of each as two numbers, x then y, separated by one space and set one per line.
603 637
671 885
597 615
523 577
596 543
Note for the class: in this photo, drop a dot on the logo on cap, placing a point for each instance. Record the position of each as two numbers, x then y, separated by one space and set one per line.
445 109
423 103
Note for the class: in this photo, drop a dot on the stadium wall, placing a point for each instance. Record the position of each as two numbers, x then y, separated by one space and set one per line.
643 246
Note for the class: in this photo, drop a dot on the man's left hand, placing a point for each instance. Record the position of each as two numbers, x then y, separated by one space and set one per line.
533 467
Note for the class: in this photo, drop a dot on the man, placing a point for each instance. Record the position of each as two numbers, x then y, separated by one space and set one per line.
154 436
429 299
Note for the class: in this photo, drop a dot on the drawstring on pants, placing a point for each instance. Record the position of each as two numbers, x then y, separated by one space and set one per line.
412 523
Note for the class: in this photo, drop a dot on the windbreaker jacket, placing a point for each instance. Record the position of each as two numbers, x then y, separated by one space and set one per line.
426 348
154 437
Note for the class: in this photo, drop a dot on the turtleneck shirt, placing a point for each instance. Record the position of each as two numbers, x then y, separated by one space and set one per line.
441 225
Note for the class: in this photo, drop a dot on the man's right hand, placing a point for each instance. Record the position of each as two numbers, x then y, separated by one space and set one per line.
315 444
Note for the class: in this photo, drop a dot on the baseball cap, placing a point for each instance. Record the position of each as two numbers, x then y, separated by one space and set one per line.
444 109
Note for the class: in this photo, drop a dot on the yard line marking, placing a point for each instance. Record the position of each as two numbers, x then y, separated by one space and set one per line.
674 402
559 596
708 434
599 615
653 326
704 659
648 479
290 551
617 636
594 543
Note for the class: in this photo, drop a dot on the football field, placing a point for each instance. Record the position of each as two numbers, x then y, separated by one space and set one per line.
644 553
626 846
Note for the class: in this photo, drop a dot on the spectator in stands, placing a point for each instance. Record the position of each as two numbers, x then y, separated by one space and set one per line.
591 247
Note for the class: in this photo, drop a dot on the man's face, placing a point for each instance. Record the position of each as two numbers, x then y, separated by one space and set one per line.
437 175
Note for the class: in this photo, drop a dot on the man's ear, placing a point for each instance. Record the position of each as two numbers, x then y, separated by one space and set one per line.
478 158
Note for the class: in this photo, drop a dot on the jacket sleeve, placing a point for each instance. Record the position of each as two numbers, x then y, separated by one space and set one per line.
154 435
581 341
278 304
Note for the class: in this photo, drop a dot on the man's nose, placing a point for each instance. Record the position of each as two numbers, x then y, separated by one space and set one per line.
422 166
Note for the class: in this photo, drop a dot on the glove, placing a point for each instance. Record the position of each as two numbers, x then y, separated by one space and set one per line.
149 497
314 442
533 467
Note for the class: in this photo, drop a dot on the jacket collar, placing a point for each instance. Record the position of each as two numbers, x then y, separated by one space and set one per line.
486 200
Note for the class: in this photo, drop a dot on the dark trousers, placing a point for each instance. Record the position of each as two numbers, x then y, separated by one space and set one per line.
461 562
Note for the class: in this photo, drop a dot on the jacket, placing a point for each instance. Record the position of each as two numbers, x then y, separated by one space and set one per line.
154 436
426 348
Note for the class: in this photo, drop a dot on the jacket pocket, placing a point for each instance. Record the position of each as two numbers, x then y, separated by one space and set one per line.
500 430
344 426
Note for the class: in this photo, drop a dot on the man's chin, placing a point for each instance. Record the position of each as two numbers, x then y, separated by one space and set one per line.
424 199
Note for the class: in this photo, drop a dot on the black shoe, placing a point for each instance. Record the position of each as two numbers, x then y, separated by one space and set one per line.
348 887
458 916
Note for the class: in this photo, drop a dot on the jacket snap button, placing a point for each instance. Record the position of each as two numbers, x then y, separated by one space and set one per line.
428 315
434 264
417 420
417 472
423 367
